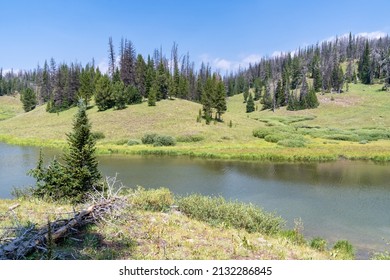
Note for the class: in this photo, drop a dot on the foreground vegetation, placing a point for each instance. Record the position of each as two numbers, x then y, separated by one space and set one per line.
352 125
157 225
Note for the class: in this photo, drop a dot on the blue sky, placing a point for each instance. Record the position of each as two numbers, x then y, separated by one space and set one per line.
224 33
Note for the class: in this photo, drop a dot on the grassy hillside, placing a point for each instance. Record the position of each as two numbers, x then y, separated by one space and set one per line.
10 106
351 125
144 231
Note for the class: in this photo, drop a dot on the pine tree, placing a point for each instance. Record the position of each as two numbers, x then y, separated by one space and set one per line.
316 72
311 99
258 86
279 94
207 100
118 91
140 75
220 99
152 96
365 66
86 89
81 163
267 99
250 105
28 99
103 93
79 174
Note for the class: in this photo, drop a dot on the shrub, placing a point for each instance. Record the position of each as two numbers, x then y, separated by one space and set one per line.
294 236
276 137
133 142
318 244
343 137
190 138
121 142
262 132
149 138
343 249
163 140
98 135
152 200
158 140
218 211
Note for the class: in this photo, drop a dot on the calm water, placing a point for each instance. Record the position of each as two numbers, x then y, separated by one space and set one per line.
335 200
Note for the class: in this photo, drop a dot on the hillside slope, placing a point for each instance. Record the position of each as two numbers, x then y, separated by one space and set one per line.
349 116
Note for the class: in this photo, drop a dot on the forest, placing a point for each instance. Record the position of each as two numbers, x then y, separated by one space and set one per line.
289 79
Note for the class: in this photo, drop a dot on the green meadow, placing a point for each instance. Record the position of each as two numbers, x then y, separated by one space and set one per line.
350 125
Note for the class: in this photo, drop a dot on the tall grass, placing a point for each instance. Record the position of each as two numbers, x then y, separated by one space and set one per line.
218 211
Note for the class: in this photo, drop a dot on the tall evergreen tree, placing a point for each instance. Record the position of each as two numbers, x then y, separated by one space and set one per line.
79 174
250 105
207 99
87 85
141 75
280 98
103 93
80 160
220 99
365 66
152 96
316 71
118 91
28 99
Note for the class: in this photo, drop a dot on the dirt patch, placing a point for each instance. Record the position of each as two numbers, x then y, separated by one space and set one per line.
338 100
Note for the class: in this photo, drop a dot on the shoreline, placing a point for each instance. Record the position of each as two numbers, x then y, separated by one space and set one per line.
240 152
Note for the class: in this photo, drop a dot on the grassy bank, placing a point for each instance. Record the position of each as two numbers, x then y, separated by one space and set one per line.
352 125
150 228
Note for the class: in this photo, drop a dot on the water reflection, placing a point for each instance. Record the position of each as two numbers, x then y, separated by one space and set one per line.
336 200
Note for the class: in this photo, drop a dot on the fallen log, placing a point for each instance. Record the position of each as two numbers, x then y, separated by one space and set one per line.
32 239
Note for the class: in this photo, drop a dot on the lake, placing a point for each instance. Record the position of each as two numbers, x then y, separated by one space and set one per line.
335 200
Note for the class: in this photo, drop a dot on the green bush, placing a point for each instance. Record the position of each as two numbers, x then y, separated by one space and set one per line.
294 236
218 211
381 256
149 138
98 135
343 249
318 244
158 140
262 132
121 142
276 137
152 200
163 140
133 142
343 137
190 138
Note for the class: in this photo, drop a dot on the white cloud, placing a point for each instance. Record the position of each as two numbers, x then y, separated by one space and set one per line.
222 64
368 35
252 58
226 65
103 66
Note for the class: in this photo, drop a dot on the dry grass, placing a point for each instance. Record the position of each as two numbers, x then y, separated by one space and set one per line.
139 234
10 106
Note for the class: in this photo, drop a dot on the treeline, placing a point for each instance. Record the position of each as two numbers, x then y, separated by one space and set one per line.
11 82
290 79
329 66
130 79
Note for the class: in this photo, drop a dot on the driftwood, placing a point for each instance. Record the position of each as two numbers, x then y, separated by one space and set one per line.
32 239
